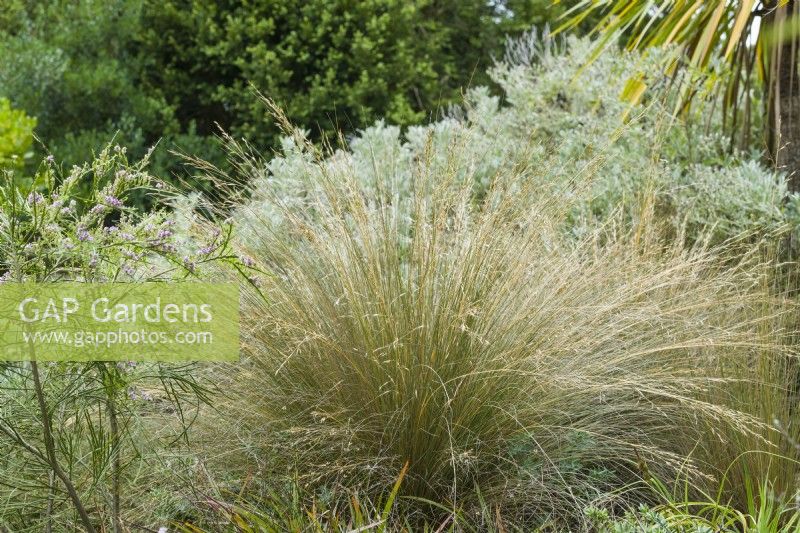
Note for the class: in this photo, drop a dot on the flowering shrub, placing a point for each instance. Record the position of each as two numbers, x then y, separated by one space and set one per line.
75 435
54 230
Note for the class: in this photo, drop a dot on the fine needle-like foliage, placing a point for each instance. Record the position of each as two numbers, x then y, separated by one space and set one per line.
468 337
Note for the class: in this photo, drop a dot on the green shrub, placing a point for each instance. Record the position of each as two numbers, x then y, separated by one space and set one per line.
77 66
147 70
334 66
16 135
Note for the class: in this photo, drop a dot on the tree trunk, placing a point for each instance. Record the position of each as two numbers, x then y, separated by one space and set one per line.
783 99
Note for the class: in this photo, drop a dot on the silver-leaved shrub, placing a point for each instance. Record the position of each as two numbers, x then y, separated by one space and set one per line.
567 127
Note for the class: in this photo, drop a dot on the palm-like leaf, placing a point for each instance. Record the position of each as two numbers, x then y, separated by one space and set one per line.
705 27
753 37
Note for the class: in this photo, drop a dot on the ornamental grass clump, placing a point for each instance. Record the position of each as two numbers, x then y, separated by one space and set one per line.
504 362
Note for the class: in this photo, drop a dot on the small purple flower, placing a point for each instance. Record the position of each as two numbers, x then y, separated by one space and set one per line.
84 236
110 230
129 270
66 210
131 255
68 244
93 260
50 159
134 393
96 210
164 234
206 250
35 198
113 201
168 248
247 261
126 236
189 264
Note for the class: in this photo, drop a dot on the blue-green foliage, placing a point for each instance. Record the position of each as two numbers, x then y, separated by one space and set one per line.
567 129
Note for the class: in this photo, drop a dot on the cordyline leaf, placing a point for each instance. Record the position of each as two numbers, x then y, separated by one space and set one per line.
642 32
702 29
700 25
633 90
681 24
739 24
709 35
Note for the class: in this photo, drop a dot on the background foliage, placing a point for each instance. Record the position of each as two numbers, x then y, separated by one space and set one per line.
147 70
566 124
16 135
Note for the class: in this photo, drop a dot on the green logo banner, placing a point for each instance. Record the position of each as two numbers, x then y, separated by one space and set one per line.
119 322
